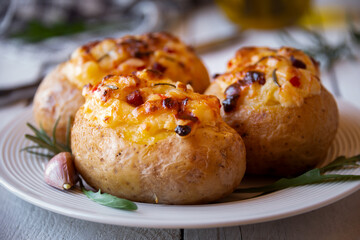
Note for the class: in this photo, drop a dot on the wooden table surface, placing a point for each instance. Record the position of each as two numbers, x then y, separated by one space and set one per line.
340 220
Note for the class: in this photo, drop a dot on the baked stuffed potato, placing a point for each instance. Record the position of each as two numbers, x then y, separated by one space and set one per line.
148 139
60 92
274 99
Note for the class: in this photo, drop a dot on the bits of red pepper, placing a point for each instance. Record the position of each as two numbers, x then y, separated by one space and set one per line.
297 63
134 98
169 103
295 81
159 67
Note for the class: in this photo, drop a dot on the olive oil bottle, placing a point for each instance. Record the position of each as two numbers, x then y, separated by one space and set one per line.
264 14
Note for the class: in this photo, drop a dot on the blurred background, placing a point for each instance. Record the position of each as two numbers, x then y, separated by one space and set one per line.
36 35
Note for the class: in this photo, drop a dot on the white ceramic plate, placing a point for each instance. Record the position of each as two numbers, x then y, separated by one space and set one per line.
22 174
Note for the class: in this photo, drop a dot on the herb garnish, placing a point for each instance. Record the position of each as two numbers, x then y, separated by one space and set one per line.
43 141
168 84
108 200
316 175
275 77
102 57
112 87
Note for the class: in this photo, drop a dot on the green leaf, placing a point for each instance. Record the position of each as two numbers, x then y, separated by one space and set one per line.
310 177
68 129
109 200
275 78
341 162
54 130
44 141
40 154
112 87
41 143
166 84
39 133
30 147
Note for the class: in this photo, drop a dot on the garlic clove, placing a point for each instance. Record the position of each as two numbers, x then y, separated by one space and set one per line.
60 171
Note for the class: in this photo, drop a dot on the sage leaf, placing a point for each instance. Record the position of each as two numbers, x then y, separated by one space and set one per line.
109 200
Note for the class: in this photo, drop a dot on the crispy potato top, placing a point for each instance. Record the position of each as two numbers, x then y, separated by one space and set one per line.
263 76
160 51
145 107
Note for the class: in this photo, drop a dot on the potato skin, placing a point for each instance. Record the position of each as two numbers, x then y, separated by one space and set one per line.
196 169
56 97
285 141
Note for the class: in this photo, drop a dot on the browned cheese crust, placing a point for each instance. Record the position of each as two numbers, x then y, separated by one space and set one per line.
61 91
284 136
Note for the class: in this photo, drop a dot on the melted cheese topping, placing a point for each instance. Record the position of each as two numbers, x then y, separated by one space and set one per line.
294 83
164 105
160 51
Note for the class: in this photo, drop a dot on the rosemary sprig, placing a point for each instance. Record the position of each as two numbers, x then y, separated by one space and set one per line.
44 141
316 175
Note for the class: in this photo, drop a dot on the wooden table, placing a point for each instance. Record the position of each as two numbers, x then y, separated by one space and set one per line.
341 220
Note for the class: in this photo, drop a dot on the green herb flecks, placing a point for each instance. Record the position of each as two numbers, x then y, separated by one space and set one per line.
166 84
275 78
109 200
313 176
102 57
112 87
44 141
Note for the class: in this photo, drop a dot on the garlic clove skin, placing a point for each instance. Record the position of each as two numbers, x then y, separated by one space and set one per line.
60 171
